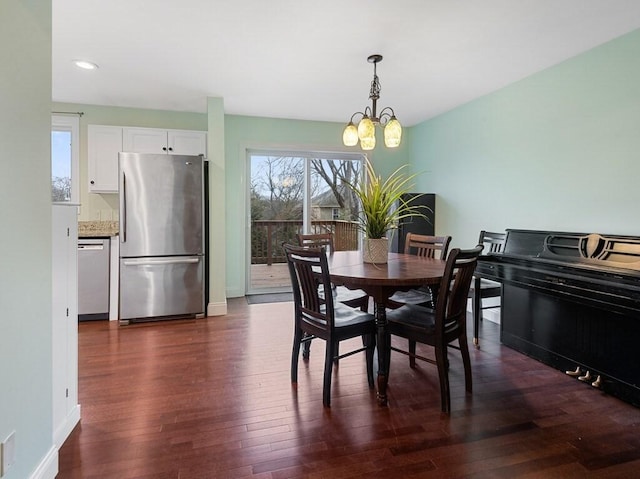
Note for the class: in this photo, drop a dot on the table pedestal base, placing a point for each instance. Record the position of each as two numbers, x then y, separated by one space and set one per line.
383 343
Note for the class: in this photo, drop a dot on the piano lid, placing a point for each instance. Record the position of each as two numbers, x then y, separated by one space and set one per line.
595 250
601 271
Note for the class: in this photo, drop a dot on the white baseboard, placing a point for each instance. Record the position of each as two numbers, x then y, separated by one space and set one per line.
493 314
61 433
48 467
217 309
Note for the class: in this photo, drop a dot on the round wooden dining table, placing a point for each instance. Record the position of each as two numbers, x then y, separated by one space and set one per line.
380 281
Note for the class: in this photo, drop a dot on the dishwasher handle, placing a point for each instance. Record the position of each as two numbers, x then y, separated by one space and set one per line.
88 247
88 244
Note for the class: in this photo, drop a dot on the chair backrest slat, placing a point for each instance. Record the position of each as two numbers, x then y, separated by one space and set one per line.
316 240
309 272
451 306
428 246
493 242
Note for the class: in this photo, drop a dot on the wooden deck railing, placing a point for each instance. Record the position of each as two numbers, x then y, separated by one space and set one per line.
267 237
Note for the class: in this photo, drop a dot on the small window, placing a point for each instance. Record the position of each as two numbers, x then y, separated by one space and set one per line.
335 214
64 159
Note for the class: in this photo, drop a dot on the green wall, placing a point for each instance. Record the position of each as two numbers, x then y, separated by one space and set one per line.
217 212
242 132
25 242
559 150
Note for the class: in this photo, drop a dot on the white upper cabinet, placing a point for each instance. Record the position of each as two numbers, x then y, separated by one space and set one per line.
185 142
172 142
105 142
144 140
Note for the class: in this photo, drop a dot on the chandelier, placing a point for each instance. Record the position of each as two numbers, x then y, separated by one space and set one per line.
366 131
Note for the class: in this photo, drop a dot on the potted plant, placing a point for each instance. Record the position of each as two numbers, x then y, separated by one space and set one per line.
382 206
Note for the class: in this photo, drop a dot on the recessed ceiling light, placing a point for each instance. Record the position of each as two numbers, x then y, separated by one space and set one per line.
85 64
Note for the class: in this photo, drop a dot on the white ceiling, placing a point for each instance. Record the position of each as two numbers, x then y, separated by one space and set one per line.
306 59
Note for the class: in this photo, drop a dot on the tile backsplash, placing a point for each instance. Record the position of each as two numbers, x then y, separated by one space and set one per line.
98 228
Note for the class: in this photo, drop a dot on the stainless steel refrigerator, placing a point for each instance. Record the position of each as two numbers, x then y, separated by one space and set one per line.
162 247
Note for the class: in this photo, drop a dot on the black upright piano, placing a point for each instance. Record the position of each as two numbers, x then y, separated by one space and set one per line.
572 301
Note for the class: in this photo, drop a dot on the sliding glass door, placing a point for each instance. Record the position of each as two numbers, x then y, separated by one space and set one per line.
296 192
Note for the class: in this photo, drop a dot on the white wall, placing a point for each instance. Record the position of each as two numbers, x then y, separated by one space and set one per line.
25 239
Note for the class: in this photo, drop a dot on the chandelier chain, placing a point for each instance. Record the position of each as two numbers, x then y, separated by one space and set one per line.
374 93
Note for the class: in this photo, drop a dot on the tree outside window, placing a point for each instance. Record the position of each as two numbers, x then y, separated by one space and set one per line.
65 158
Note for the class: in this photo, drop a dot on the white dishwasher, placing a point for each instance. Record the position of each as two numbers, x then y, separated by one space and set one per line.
93 278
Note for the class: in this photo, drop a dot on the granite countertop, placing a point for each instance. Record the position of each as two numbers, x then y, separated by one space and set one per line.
97 229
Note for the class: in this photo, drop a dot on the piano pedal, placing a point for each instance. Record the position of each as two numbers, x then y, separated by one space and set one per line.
586 378
574 374
598 382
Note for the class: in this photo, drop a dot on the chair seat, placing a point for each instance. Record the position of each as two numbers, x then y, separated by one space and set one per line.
355 298
345 295
413 296
417 317
344 316
486 284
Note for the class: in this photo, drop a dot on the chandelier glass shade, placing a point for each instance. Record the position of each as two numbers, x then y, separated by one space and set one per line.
365 132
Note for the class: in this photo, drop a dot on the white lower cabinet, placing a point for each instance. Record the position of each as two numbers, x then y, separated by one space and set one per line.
64 361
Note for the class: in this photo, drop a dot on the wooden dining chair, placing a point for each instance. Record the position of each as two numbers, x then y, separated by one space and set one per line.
316 239
444 326
354 298
316 315
485 288
429 247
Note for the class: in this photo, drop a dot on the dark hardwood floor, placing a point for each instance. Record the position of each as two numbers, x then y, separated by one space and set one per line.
212 398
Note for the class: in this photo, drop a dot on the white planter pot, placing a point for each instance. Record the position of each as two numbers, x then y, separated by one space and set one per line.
375 250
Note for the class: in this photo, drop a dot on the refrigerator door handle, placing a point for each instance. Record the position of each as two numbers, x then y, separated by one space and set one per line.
151 262
124 208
